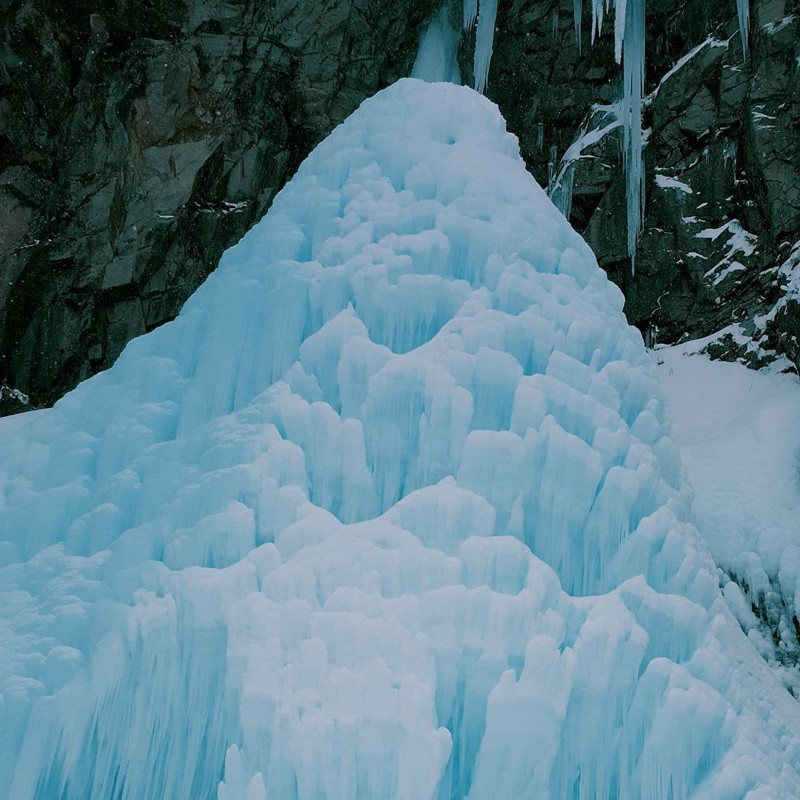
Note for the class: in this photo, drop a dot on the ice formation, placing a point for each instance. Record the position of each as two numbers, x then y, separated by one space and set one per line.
577 11
486 13
743 13
436 56
389 511
633 89
629 41
484 42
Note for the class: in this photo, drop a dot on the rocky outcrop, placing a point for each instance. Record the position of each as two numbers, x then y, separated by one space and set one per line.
138 140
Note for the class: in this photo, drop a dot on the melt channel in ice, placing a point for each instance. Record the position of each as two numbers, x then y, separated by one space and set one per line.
389 511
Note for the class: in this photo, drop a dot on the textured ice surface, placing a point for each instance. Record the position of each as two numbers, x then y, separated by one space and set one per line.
436 56
388 511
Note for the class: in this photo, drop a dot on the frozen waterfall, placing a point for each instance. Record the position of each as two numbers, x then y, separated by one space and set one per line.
389 512
436 56
629 48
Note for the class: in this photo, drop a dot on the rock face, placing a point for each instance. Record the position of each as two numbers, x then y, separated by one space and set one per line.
722 160
138 140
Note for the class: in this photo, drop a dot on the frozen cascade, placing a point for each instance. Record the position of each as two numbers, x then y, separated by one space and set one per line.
633 89
437 54
469 13
743 12
390 511
629 48
484 41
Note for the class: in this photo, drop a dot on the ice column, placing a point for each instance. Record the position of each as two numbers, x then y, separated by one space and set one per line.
436 58
484 39
633 86
743 10
470 12
629 35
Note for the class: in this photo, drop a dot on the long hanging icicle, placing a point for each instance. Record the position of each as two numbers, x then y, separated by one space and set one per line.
633 88
469 13
629 21
577 10
743 10
484 41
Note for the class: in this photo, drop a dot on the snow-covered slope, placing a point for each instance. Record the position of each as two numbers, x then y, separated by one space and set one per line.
739 438
389 511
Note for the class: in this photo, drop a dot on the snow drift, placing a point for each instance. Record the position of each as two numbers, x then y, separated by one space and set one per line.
389 511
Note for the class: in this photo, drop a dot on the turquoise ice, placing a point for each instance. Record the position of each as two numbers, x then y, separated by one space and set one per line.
389 511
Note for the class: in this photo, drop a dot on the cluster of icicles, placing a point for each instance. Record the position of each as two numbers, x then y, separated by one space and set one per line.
629 49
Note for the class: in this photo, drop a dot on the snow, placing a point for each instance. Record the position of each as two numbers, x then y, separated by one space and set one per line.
436 57
17 421
739 241
389 511
561 181
775 27
684 60
670 182
740 444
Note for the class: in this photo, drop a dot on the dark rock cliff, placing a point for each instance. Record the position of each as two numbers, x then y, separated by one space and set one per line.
139 139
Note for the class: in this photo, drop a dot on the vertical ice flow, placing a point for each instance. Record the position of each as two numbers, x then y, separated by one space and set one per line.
633 82
436 57
577 12
484 42
629 47
743 12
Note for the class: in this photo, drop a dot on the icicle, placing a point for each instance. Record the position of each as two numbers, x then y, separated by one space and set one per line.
577 10
551 166
743 10
620 27
598 7
539 135
484 39
629 37
633 88
561 190
469 13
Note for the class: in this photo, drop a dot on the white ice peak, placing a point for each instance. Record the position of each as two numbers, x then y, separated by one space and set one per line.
389 511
